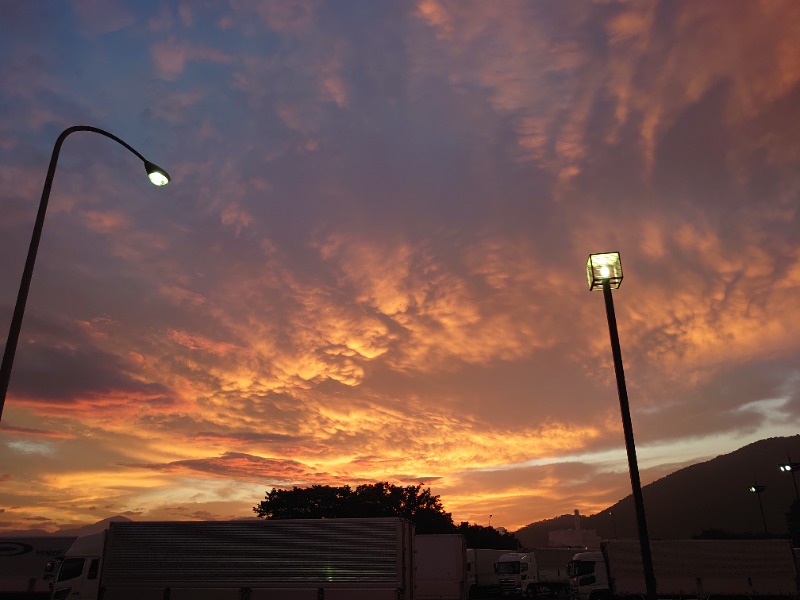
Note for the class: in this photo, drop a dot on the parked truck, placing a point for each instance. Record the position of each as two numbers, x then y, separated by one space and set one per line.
687 568
440 567
28 564
482 571
541 572
287 559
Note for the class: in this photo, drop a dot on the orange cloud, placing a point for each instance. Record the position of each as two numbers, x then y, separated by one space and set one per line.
651 69
199 342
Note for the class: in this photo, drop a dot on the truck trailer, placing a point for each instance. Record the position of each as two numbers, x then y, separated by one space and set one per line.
28 564
283 559
541 572
482 571
687 569
440 567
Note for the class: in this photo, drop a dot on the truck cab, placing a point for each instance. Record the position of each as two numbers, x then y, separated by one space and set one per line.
588 579
78 574
517 575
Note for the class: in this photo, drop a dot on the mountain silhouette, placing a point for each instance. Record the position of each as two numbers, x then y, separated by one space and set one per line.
94 527
711 495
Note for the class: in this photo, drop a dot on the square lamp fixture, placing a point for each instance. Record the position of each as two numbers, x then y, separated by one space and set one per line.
604 266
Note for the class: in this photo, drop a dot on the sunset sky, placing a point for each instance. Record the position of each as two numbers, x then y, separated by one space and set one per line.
370 262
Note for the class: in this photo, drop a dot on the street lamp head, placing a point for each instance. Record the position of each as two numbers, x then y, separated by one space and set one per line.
757 489
156 174
602 267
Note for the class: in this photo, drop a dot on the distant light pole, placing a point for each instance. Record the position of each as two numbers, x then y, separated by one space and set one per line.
156 174
613 522
791 467
604 271
490 521
758 490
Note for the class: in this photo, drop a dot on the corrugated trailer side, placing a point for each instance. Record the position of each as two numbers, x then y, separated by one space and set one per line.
292 559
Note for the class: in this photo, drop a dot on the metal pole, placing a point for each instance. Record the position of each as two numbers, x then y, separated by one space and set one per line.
27 273
613 523
761 508
627 426
794 478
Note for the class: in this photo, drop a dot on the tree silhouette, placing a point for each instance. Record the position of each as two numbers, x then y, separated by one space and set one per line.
382 499
315 502
369 500
478 536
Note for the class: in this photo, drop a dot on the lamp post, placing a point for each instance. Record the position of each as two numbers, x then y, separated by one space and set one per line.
791 467
757 490
604 271
613 522
156 174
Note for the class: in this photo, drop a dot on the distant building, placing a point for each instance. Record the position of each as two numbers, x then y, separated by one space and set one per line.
574 538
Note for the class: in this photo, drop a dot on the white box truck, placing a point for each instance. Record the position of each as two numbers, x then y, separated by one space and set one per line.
440 567
541 572
284 559
694 568
482 571
28 564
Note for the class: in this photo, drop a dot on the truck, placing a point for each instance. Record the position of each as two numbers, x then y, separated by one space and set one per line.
541 572
440 567
286 559
482 571
28 564
687 568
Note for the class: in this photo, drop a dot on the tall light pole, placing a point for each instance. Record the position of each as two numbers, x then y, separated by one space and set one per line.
758 490
604 271
791 467
156 174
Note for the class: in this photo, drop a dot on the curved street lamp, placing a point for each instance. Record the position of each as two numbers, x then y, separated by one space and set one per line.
155 173
604 272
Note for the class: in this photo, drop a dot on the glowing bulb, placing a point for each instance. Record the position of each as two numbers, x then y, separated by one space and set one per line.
158 179
156 174
605 272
